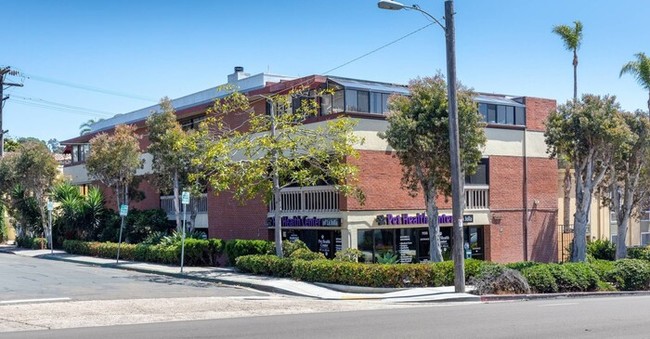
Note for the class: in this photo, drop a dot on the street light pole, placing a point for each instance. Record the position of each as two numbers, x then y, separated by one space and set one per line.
457 176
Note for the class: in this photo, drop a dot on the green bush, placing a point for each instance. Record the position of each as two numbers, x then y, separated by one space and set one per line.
602 249
265 265
197 251
238 247
630 275
639 253
288 247
31 242
519 266
582 278
306 254
498 279
349 255
540 278
603 268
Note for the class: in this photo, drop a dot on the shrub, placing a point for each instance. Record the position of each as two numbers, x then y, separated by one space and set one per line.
540 279
265 264
630 275
498 279
581 277
306 254
24 241
154 238
288 247
603 268
519 266
639 253
602 249
349 255
387 257
238 247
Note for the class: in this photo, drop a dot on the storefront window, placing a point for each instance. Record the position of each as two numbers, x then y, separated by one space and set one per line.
411 245
327 242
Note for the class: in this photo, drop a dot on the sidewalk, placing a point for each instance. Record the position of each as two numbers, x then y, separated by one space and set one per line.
228 276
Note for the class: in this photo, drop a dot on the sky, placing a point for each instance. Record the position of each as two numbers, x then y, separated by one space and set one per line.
82 60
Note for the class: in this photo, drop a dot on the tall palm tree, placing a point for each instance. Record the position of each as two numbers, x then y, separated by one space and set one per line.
85 128
640 69
572 38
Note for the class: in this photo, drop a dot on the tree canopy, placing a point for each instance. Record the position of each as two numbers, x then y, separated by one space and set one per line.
418 131
589 132
275 149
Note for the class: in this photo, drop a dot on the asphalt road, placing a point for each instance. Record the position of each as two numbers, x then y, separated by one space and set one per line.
620 317
25 279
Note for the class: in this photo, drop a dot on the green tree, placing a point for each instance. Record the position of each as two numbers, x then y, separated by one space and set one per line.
572 38
628 182
77 216
37 170
114 160
275 150
640 70
11 145
169 162
418 131
589 132
86 127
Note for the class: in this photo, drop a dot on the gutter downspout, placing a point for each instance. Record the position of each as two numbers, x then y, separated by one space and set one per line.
525 193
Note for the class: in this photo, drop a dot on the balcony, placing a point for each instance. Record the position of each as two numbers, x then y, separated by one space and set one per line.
313 199
167 204
323 199
477 197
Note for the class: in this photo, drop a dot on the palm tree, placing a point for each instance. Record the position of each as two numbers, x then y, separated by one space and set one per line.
572 38
85 128
640 69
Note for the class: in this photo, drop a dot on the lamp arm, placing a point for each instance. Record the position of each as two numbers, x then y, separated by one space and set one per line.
417 8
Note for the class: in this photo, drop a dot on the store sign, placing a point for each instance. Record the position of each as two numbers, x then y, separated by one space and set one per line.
305 221
417 219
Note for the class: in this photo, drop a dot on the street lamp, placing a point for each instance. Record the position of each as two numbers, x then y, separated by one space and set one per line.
454 149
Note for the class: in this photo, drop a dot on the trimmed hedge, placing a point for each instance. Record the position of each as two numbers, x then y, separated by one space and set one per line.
567 277
32 242
198 252
237 247
352 273
630 275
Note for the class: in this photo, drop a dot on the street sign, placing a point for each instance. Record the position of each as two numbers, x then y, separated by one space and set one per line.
50 206
124 210
185 198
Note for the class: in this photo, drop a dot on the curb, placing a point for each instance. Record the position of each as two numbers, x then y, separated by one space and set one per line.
567 295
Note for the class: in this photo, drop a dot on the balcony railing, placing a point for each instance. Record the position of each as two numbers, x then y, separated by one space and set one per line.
477 197
167 204
314 199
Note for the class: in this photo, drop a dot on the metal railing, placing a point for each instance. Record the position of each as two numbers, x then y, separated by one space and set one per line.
315 199
167 203
477 197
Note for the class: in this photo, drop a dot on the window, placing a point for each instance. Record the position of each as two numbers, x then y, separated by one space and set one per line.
350 100
192 123
363 101
326 104
502 114
80 152
337 106
481 175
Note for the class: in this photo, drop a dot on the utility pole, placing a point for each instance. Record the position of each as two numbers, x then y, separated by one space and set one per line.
3 73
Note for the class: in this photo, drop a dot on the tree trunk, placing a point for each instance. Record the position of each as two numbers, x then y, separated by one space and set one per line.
567 195
621 247
177 207
583 204
575 76
435 253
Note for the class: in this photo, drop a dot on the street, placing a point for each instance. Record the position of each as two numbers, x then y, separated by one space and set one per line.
621 317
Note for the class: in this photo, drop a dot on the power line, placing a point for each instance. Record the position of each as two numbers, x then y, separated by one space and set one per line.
378 48
86 87
48 103
60 109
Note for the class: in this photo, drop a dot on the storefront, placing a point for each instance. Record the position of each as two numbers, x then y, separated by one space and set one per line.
407 237
319 234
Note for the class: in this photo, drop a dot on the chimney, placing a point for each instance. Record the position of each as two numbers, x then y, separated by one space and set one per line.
237 75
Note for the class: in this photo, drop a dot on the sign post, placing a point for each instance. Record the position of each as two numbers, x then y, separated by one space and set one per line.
185 199
124 211
50 207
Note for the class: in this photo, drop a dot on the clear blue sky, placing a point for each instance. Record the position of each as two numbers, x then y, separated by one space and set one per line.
150 49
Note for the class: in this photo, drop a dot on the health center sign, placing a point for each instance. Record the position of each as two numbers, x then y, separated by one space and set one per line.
418 219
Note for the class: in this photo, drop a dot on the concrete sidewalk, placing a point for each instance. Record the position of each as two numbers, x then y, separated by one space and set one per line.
229 276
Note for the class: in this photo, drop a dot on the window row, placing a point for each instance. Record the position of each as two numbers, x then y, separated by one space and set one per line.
503 114
352 100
